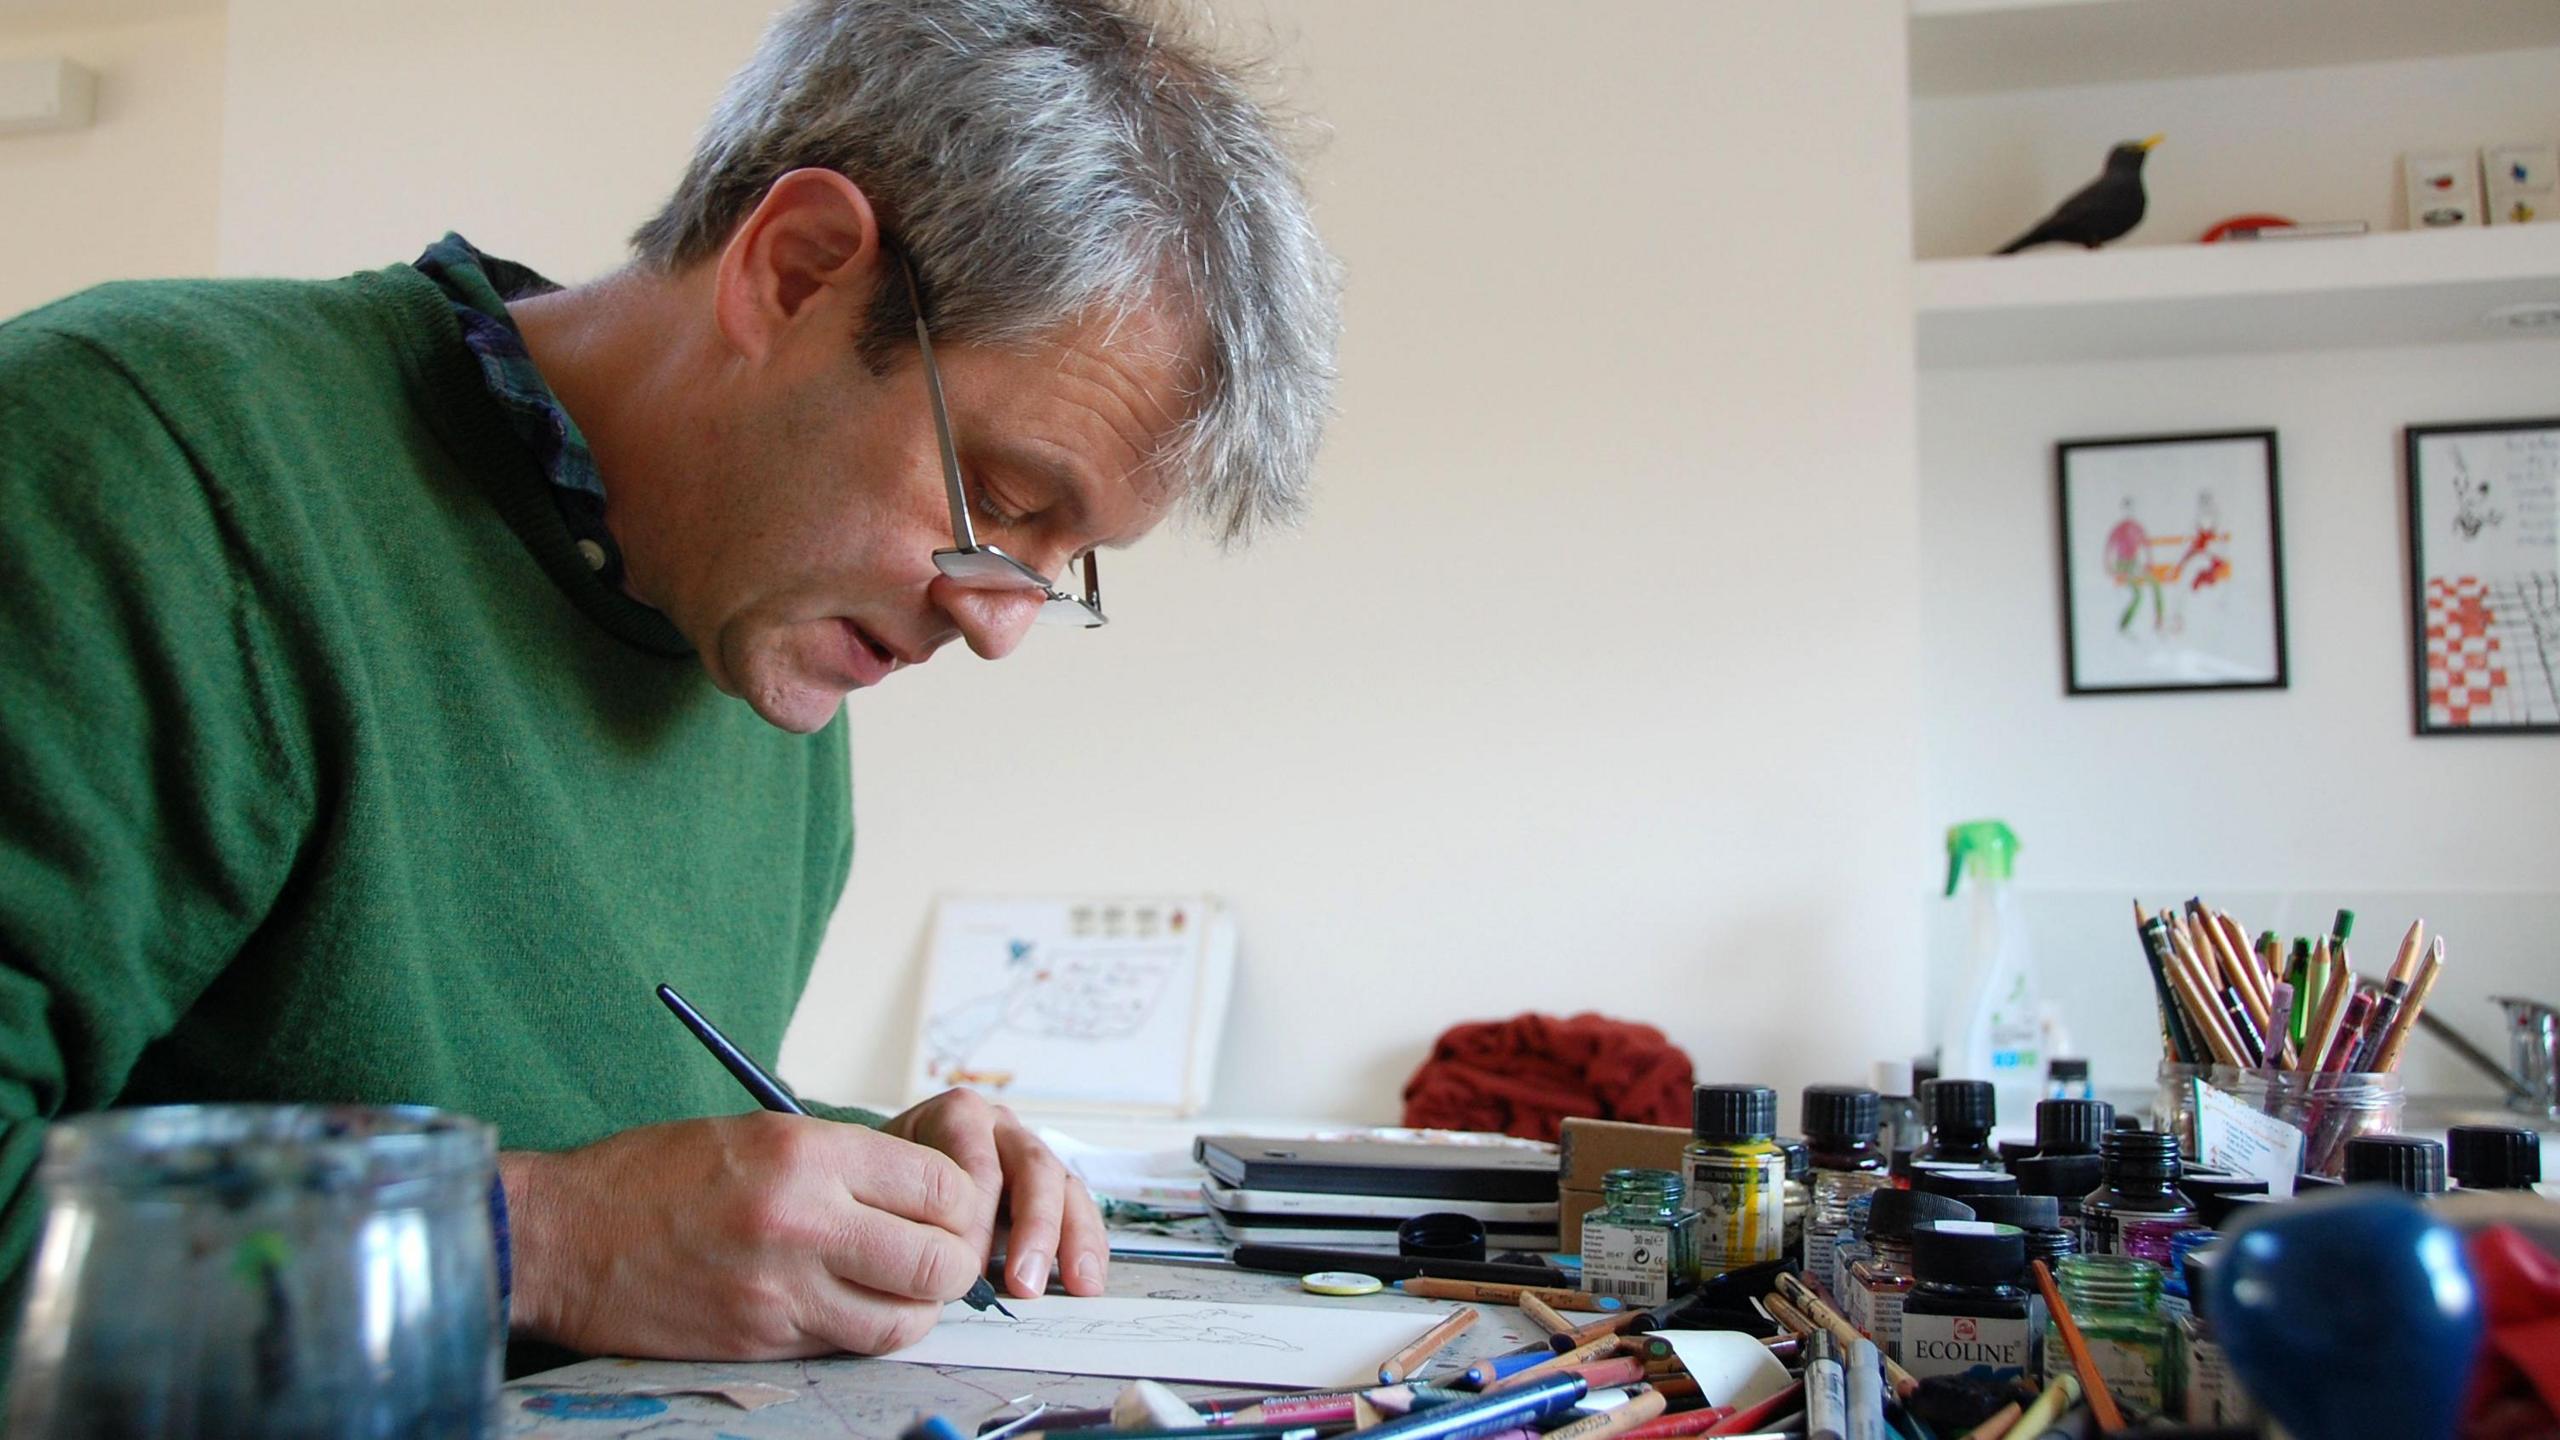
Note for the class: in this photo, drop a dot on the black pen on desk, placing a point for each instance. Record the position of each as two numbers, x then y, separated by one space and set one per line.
770 1094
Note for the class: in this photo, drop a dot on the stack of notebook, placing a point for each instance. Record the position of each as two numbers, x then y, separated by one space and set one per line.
1352 1194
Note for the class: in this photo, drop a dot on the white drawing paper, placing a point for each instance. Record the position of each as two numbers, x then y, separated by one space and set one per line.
1109 1002
1213 1341
1731 1368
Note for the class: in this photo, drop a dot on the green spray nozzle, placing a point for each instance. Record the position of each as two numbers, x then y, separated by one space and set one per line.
1985 849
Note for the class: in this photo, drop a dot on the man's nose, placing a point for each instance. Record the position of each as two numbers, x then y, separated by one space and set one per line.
991 621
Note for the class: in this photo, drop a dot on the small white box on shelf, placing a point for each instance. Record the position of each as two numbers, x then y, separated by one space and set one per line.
2443 186
2524 181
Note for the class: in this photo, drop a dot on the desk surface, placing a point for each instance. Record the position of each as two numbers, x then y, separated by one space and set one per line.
877 1399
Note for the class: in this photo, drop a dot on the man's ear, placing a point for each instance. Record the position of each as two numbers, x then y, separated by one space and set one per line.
810 247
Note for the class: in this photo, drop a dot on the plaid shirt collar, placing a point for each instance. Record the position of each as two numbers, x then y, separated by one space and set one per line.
479 287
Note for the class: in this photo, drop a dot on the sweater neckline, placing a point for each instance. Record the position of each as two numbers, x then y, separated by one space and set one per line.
459 406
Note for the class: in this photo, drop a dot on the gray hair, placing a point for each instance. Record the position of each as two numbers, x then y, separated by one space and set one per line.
1040 161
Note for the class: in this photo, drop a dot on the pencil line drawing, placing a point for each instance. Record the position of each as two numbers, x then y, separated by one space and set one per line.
1192 1327
1093 993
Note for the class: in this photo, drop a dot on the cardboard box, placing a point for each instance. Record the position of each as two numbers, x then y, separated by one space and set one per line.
2443 188
1589 1149
2524 182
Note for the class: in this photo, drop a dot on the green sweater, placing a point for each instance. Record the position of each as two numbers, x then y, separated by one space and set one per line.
327 770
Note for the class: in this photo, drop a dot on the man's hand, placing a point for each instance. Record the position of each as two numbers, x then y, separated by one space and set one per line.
746 1238
1053 1219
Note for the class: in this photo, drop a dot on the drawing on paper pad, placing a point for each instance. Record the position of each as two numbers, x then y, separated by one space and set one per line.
1228 1342
1057 1001
2484 536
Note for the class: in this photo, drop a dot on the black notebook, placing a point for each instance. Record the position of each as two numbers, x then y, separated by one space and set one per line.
1379 1167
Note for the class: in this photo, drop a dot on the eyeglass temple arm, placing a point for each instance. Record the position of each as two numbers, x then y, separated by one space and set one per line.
961 530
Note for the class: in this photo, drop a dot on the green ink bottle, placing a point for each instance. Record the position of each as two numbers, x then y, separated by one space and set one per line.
2115 1299
1641 1245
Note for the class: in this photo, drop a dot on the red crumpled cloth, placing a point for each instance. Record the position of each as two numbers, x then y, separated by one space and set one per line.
1524 1075
2516 1390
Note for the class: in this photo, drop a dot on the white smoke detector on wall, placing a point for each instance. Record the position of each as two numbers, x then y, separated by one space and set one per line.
45 93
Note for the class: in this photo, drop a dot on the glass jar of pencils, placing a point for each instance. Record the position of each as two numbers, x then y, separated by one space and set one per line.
2329 1110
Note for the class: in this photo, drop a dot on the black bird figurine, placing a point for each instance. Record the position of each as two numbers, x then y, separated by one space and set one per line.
2102 210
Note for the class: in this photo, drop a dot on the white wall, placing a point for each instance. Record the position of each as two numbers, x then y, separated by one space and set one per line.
1590 684
2280 805
133 194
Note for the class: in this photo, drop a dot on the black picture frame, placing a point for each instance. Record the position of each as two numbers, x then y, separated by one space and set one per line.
2081 671
2488 610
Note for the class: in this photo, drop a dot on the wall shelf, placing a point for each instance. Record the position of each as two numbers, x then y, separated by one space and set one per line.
1972 47
2398 288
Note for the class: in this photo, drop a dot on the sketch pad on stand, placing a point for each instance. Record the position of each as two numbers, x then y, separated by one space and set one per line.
1214 1341
1102 1003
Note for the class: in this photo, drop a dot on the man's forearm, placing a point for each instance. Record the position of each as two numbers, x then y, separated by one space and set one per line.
533 1309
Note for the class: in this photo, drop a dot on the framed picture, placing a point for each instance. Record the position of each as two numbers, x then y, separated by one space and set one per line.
2484 577
2172 566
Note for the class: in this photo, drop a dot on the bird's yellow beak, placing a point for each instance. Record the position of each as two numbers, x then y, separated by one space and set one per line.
2154 140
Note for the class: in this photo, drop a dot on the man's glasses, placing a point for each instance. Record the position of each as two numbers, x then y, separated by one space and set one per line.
984 567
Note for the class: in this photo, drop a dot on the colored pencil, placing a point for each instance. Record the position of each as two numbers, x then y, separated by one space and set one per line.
1482 1292
2398 1039
2003 1421
1643 1406
2092 1384
2059 1395
1819 1311
1688 1422
1543 1315
1486 1415
2335 987
1553 1364
1431 1342
1743 1422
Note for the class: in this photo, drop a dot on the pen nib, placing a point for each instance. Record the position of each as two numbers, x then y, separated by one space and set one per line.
999 1307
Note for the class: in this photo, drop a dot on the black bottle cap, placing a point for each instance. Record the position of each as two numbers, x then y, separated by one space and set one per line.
2065 1176
1799 1156
2315 1182
2129 1122
1892 1213
1839 1112
2027 1212
2141 1154
2406 1162
2013 1151
2064 1067
1959 1107
1733 1112
1962 1184
1968 1252
2072 1127
2199 1186
2494 1157
2225 1208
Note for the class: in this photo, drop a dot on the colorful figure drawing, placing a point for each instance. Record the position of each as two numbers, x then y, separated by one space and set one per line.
1100 992
2129 548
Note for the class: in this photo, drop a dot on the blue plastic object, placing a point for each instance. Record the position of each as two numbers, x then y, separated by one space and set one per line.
2350 1314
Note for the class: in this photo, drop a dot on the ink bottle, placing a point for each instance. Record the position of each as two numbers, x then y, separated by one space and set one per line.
1795 1197
1840 1135
1880 1278
1641 1245
2039 1218
1960 1118
1967 1312
2480 1157
1849 1249
2072 1127
2175 1300
2115 1300
2068 1179
2404 1162
1737 1176
2201 1186
1964 1184
2141 1186
1899 1123
2208 1393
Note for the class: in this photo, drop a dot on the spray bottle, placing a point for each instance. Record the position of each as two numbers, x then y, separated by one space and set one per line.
1992 1028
